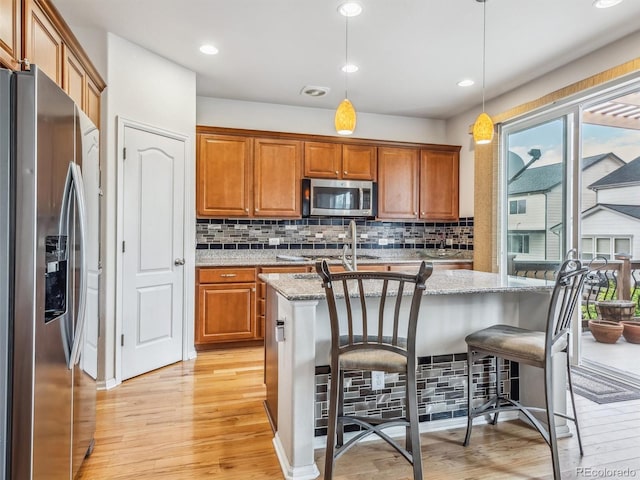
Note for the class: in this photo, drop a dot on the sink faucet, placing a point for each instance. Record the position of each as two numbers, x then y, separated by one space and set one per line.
353 265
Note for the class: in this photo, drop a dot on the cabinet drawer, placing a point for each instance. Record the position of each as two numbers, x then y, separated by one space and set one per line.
226 275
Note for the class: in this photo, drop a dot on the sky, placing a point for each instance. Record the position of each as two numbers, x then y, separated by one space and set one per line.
596 139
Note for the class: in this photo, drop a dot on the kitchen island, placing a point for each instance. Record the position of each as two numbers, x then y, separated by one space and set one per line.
455 303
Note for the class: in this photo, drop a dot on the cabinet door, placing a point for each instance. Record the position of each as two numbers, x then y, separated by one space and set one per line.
92 102
10 34
439 195
223 187
75 79
397 182
359 162
43 44
226 312
277 178
322 160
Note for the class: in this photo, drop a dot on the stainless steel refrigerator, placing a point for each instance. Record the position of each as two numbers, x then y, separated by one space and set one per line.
48 262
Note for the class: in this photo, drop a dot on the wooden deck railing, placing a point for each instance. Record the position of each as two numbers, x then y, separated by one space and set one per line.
608 280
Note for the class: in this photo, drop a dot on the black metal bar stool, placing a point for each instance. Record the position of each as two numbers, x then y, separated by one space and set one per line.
385 342
532 348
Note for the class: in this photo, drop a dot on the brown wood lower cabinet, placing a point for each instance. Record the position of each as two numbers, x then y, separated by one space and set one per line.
226 306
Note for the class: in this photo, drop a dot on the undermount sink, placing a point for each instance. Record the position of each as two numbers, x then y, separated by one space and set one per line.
338 256
440 254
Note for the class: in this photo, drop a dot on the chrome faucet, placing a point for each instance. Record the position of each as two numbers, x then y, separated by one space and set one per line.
353 265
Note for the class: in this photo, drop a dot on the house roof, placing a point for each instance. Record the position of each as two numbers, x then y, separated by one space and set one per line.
543 179
627 174
629 210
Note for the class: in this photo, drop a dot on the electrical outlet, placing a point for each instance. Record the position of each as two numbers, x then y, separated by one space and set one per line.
383 241
342 235
319 235
377 380
364 235
449 241
274 241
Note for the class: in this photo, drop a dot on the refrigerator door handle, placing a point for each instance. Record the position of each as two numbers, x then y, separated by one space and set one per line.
78 190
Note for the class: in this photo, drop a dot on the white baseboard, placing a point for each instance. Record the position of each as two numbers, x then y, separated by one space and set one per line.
306 472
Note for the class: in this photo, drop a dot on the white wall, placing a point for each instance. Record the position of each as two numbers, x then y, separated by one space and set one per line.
148 89
315 121
606 223
457 128
620 195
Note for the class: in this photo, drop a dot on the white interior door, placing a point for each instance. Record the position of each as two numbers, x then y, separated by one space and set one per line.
152 250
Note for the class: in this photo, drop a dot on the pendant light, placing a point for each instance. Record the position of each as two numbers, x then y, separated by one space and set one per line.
483 128
345 119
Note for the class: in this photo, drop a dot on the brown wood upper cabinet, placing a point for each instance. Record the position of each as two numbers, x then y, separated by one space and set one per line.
240 176
418 183
10 20
224 176
277 175
398 178
439 185
344 161
43 43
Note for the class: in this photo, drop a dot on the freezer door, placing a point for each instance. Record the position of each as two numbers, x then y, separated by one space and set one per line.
47 279
5 267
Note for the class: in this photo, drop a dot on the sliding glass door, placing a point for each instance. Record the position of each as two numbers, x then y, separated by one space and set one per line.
570 178
536 193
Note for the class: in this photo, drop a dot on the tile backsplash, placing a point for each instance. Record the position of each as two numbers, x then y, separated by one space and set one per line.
442 390
328 233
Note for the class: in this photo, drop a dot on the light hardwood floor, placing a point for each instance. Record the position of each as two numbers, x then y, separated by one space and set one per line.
204 419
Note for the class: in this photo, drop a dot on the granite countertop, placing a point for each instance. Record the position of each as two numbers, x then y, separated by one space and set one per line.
307 286
221 258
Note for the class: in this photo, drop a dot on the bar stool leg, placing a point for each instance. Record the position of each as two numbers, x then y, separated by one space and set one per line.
414 426
332 421
573 405
551 422
340 425
470 359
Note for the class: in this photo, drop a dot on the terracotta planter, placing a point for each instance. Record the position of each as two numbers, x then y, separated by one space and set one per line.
631 332
605 331
616 310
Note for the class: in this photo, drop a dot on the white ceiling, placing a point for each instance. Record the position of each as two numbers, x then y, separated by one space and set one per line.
411 53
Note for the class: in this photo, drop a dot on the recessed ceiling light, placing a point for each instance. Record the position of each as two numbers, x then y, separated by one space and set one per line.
349 68
350 9
314 91
605 3
208 49
467 82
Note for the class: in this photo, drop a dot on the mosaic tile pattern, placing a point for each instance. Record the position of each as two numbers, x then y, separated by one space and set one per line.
324 233
442 390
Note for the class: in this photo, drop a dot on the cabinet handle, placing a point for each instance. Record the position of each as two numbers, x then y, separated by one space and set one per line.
256 209
415 213
228 275
421 213
345 172
178 261
246 209
336 172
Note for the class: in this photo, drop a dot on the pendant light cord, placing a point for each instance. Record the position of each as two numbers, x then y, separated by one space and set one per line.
346 54
484 46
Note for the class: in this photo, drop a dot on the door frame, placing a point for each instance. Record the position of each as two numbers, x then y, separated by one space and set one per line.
188 290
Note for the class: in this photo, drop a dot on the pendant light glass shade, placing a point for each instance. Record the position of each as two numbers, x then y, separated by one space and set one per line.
483 129
345 118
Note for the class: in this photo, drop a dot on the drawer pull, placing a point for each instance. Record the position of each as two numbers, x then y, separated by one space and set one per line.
227 275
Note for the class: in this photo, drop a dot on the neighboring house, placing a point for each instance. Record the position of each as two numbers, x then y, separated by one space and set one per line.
535 203
613 224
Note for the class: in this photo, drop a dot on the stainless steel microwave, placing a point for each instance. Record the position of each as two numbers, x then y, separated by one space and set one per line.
339 198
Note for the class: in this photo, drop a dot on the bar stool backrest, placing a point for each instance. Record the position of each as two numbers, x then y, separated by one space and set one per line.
375 308
566 295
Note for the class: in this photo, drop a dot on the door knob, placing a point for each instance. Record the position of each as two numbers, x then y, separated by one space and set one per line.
178 261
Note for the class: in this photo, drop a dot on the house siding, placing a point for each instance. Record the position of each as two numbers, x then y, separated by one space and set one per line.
606 223
592 174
